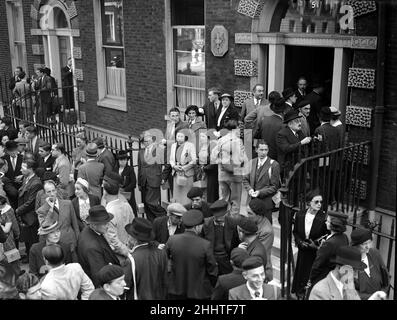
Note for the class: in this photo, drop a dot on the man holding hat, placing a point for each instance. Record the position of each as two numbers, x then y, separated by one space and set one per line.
234 279
290 139
221 231
147 274
196 195
329 134
105 156
166 226
339 283
63 281
193 266
93 250
304 111
112 283
289 96
255 288
92 170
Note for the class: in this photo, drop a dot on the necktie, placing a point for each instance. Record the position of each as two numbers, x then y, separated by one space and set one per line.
13 162
257 294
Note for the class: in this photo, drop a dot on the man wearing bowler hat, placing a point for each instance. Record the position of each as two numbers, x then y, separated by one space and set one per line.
339 283
112 283
166 226
221 231
147 275
192 263
92 170
93 250
290 97
195 194
255 287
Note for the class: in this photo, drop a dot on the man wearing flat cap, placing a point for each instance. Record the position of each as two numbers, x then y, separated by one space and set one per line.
221 231
195 194
255 288
147 275
105 156
93 250
166 226
112 283
193 266
330 136
339 283
234 279
92 170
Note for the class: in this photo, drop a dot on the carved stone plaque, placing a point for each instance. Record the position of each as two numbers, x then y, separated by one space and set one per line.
219 41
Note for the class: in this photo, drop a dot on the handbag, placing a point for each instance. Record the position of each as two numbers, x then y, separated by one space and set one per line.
12 255
200 184
181 180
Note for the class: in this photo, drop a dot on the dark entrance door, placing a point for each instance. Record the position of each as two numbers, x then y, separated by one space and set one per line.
311 62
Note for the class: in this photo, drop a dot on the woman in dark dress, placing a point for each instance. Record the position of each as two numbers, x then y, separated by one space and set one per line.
308 228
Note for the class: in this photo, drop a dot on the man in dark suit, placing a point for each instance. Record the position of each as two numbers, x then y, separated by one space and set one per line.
196 195
330 136
211 107
221 231
254 102
14 163
258 183
8 129
269 126
301 90
150 160
226 111
67 84
25 213
256 288
105 156
93 250
316 103
166 226
234 279
46 160
290 99
34 141
16 78
148 278
92 171
43 86
304 110
193 266
289 140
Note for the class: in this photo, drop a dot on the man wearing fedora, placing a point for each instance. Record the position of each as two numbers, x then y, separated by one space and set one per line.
221 231
92 170
304 111
192 263
255 287
166 226
231 280
290 139
339 283
257 101
63 281
195 194
112 283
147 276
93 250
105 156
290 97
330 136
226 111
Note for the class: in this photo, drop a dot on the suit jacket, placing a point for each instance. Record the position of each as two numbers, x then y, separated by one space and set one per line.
93 171
270 292
330 135
257 114
187 160
67 221
27 199
317 230
230 235
326 290
225 283
100 294
266 185
129 178
107 158
67 76
11 173
205 208
35 149
149 172
48 165
160 229
94 253
325 254
288 145
211 114
248 106
268 127
65 282
44 85
231 113
94 200
193 266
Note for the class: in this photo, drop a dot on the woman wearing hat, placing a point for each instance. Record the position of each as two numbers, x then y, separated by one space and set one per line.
182 160
309 226
375 277
228 111
336 223
83 201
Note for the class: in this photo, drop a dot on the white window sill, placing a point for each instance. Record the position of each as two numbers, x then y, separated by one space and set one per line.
115 103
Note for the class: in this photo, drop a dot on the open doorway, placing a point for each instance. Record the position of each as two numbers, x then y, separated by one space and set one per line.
311 62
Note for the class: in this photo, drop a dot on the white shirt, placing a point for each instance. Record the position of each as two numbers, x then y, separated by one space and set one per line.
261 162
171 228
309 217
365 260
221 115
338 284
84 206
252 291
34 140
257 101
337 123
46 158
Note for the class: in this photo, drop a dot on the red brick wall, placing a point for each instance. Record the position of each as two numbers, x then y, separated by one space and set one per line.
145 68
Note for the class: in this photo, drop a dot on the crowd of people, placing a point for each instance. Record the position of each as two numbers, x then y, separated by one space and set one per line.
79 221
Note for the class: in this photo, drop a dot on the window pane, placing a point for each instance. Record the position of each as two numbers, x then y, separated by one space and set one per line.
187 12
17 19
114 57
186 97
115 72
112 22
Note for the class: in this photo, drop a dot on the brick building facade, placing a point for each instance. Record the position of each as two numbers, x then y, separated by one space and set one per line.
268 42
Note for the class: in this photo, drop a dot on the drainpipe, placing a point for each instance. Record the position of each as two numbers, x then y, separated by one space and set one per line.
379 108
